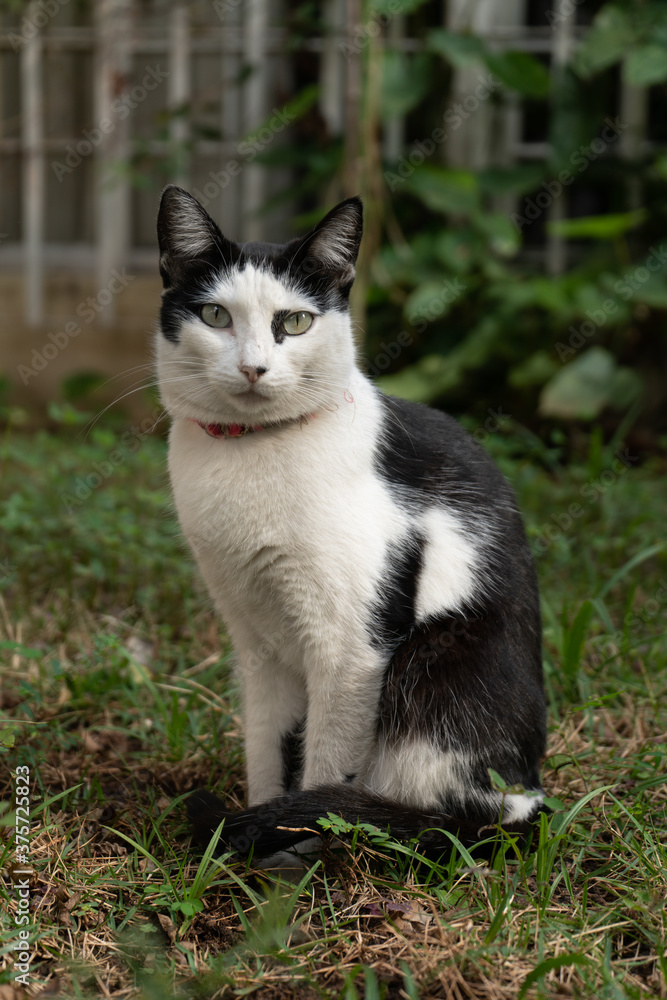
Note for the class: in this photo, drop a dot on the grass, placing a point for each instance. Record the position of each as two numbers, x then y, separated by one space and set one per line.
116 693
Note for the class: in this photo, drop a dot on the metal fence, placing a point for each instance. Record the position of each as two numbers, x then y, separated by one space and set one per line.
91 91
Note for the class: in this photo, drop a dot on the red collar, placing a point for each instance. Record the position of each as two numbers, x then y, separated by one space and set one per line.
239 430
228 430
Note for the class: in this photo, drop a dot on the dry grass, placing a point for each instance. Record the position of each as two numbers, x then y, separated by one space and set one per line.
105 920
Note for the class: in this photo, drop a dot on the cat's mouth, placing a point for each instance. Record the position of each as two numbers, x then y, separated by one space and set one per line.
251 395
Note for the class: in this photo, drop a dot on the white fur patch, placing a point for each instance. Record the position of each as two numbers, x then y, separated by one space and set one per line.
521 807
417 774
447 578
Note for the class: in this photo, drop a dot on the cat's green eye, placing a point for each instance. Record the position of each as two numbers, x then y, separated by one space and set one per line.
297 323
214 315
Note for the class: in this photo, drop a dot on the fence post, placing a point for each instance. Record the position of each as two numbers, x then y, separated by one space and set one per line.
32 138
254 100
179 89
112 77
632 142
352 101
332 70
556 245
231 203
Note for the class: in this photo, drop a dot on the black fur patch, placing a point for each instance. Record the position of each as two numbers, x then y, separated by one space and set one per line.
472 681
292 754
393 616
277 325
182 303
469 680
426 457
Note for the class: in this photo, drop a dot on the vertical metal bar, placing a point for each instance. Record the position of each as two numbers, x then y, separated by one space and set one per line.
255 91
230 210
470 147
556 248
395 128
331 67
112 72
32 136
179 88
634 113
351 166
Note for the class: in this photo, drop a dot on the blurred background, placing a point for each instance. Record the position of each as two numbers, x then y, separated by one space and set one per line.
512 157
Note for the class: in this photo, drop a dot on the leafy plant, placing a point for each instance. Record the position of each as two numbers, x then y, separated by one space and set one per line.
453 306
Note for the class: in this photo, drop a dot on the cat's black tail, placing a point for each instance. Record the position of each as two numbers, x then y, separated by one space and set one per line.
283 822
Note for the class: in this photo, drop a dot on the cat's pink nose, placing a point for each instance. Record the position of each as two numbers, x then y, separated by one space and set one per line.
252 373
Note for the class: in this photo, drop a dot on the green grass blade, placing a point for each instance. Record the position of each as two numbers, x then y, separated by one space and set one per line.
571 958
575 638
564 821
640 557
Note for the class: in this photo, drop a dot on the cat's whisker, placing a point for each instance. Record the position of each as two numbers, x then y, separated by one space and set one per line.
98 416
147 368
124 374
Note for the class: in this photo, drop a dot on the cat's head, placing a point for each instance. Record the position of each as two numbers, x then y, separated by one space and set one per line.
253 333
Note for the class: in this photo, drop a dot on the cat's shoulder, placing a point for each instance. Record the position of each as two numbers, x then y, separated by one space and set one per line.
422 448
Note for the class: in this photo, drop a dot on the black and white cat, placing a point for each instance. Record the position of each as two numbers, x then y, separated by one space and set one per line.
365 554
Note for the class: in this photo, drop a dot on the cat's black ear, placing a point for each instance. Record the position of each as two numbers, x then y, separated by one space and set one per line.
333 245
188 236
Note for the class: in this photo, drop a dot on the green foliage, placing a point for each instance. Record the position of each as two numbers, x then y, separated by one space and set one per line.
474 311
405 81
519 71
455 269
588 384
635 34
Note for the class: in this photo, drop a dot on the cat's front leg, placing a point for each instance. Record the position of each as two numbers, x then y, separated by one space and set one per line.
274 704
341 728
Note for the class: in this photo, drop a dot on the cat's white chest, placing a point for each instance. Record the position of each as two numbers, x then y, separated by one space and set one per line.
286 524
